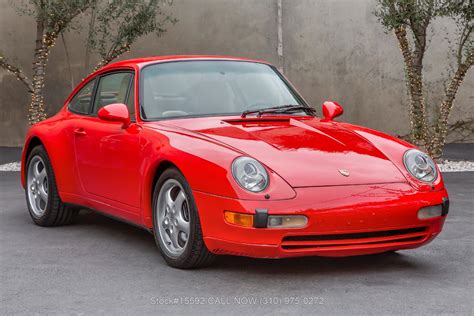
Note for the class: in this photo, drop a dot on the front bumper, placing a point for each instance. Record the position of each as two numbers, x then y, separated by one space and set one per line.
342 221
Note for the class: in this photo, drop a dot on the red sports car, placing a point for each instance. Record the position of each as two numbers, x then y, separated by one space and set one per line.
221 155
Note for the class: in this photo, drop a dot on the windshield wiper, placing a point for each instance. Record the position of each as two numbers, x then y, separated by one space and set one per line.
290 108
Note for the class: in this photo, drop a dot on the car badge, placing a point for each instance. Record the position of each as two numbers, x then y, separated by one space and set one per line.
344 172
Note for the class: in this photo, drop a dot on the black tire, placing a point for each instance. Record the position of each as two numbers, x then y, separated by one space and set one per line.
195 254
56 212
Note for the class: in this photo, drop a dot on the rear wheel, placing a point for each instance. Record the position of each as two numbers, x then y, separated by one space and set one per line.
44 205
177 228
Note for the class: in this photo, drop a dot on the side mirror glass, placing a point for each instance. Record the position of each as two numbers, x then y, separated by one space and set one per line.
115 112
331 110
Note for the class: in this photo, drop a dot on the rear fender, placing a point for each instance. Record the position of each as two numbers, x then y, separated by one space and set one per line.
54 135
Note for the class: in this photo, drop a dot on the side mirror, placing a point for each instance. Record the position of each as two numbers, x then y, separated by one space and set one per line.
115 112
331 110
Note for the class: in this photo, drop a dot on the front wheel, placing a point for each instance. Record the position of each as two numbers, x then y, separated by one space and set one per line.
176 224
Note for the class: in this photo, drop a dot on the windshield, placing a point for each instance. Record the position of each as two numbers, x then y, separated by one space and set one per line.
200 88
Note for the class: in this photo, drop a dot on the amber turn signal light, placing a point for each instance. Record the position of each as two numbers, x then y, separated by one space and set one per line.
239 219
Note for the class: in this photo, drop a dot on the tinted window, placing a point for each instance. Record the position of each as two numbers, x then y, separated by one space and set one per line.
82 100
210 87
112 88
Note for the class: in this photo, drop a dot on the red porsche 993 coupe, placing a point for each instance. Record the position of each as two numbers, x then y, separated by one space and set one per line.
221 155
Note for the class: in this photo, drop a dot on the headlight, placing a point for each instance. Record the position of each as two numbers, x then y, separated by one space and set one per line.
250 174
420 165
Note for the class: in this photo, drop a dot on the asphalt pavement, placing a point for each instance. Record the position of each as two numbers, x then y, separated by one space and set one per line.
101 266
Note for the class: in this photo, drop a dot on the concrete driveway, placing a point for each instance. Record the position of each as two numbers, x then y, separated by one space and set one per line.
102 266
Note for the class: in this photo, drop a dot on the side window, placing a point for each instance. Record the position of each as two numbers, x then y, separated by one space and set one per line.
80 103
112 88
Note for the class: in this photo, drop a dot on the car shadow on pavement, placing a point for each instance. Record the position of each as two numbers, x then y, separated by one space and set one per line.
139 238
321 265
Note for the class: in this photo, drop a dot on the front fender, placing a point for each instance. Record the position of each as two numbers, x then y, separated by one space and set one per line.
205 163
394 149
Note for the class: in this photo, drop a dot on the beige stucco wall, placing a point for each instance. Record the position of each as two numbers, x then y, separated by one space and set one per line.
333 49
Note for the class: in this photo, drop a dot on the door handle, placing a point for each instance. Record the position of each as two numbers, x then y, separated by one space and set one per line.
80 132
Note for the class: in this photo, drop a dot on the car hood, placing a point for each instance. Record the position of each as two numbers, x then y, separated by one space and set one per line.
304 151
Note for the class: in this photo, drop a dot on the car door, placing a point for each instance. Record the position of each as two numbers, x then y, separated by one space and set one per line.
107 155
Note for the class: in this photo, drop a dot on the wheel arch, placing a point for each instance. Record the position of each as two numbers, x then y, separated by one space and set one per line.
30 144
159 169
154 173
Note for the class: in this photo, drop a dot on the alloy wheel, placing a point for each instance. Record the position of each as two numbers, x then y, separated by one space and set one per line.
37 184
172 208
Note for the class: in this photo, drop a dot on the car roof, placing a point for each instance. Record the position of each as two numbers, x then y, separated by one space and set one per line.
143 61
